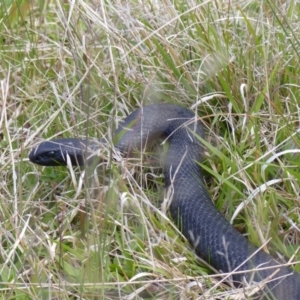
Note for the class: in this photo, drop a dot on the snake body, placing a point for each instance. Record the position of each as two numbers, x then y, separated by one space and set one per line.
211 236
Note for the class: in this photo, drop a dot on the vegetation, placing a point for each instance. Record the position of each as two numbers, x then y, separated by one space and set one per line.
75 68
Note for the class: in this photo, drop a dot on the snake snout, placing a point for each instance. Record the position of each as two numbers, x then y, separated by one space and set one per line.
44 159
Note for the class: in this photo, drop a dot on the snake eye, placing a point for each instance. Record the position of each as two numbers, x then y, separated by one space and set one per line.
50 153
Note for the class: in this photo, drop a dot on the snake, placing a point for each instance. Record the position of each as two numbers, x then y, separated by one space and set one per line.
208 232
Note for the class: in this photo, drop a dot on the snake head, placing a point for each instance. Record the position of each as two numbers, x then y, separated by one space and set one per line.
55 152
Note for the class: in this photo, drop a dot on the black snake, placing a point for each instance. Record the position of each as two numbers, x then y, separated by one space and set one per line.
209 233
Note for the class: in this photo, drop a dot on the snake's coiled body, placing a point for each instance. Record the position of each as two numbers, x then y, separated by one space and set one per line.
209 233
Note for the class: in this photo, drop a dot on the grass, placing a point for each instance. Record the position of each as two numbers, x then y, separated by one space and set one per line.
76 69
